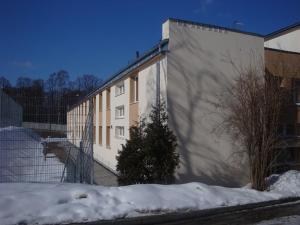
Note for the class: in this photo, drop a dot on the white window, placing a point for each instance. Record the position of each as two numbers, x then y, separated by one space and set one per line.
120 112
120 88
120 131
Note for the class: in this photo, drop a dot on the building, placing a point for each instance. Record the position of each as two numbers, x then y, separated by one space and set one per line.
188 70
282 56
11 113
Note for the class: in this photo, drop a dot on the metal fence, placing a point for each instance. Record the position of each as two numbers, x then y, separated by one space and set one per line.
43 148
10 111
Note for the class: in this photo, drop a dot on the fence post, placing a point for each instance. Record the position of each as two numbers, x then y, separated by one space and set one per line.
81 169
91 138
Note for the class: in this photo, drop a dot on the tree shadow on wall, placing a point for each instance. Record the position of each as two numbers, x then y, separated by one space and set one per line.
192 111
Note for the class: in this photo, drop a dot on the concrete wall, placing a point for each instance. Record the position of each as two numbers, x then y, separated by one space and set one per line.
288 41
198 69
76 122
10 111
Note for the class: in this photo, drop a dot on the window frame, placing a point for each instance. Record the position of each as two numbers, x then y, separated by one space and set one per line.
120 108
120 132
119 88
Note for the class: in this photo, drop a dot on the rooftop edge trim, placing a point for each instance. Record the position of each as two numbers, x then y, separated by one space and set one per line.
215 26
277 32
154 51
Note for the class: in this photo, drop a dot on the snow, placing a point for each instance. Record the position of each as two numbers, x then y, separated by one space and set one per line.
292 178
49 139
288 220
66 203
22 158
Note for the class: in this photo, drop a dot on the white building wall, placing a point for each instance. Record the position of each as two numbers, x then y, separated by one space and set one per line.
73 132
288 41
96 121
165 31
148 87
147 98
192 75
120 100
199 70
102 153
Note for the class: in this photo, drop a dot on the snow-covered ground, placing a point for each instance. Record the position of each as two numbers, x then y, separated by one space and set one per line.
63 203
22 158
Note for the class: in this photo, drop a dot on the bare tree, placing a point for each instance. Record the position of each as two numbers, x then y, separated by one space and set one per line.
87 82
57 85
58 82
24 82
253 105
4 83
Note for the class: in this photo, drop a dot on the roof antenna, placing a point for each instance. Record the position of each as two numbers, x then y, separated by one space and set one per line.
137 54
237 24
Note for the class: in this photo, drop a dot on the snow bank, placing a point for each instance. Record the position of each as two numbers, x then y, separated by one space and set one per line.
287 183
66 203
22 158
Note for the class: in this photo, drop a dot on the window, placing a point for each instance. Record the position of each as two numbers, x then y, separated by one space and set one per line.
120 131
120 88
100 135
119 112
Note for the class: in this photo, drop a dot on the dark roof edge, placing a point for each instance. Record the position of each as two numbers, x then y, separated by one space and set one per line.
215 26
283 51
275 33
157 49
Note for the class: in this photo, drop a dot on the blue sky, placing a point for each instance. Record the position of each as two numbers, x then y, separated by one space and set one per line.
99 37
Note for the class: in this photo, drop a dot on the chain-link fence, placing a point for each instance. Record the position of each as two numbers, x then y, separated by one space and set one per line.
42 146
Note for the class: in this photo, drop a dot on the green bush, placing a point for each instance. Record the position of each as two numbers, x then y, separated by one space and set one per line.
150 155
